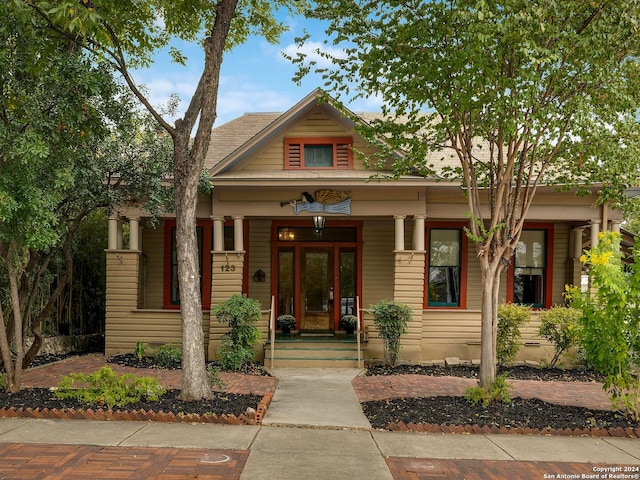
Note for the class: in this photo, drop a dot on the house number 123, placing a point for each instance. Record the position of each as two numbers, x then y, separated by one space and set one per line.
228 268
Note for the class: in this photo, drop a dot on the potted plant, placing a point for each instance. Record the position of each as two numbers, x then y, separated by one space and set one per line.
348 323
286 323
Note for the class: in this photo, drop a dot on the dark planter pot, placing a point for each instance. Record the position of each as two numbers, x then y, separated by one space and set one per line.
349 330
286 331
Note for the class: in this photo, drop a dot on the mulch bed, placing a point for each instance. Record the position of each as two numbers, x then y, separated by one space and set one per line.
445 413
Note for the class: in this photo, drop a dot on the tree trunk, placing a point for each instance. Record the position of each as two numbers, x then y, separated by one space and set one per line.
6 354
489 322
195 382
15 380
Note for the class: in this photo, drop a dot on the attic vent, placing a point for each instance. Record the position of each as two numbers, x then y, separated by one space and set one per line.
340 155
294 155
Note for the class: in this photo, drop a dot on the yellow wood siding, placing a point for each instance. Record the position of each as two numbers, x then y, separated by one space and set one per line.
408 289
377 262
153 275
561 234
260 258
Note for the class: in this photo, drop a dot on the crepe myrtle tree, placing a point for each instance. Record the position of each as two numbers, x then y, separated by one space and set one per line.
521 93
128 34
64 146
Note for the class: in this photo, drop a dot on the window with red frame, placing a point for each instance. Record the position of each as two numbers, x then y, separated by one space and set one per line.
446 267
314 153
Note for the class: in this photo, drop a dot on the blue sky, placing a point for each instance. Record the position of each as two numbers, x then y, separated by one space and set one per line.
255 76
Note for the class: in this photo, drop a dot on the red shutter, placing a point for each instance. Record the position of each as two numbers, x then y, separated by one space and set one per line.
343 155
293 155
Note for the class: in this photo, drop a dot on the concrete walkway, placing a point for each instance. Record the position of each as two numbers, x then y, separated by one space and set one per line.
318 397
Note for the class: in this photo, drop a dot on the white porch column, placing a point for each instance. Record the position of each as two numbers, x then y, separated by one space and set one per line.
134 233
218 234
615 225
238 233
595 230
112 243
418 232
577 242
399 223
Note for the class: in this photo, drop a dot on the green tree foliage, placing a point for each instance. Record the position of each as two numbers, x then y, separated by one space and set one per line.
519 93
64 123
391 318
128 36
610 322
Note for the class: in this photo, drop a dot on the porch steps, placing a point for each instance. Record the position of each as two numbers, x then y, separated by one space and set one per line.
296 351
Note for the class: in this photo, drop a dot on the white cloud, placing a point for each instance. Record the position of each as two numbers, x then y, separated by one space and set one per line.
313 51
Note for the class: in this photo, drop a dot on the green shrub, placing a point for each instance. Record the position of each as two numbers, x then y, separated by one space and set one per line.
497 393
167 356
561 326
214 378
511 317
139 350
241 313
391 319
610 320
106 388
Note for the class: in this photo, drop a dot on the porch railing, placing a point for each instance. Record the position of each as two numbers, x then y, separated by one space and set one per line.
272 328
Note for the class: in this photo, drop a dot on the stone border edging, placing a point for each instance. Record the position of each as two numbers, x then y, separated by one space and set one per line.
627 432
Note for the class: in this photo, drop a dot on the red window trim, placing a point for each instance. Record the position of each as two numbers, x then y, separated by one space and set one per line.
464 250
294 152
548 280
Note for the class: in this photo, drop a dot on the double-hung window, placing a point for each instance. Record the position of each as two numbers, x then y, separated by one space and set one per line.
530 273
446 267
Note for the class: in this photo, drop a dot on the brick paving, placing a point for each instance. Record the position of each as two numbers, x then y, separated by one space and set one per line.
408 468
63 462
582 394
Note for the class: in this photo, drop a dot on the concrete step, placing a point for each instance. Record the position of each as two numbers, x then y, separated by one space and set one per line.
308 362
313 353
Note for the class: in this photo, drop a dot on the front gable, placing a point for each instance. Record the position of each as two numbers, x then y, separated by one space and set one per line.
280 145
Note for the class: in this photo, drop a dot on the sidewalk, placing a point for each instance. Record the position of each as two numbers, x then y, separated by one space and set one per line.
305 435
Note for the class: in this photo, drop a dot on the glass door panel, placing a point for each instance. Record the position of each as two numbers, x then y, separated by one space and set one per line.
347 283
316 289
286 285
